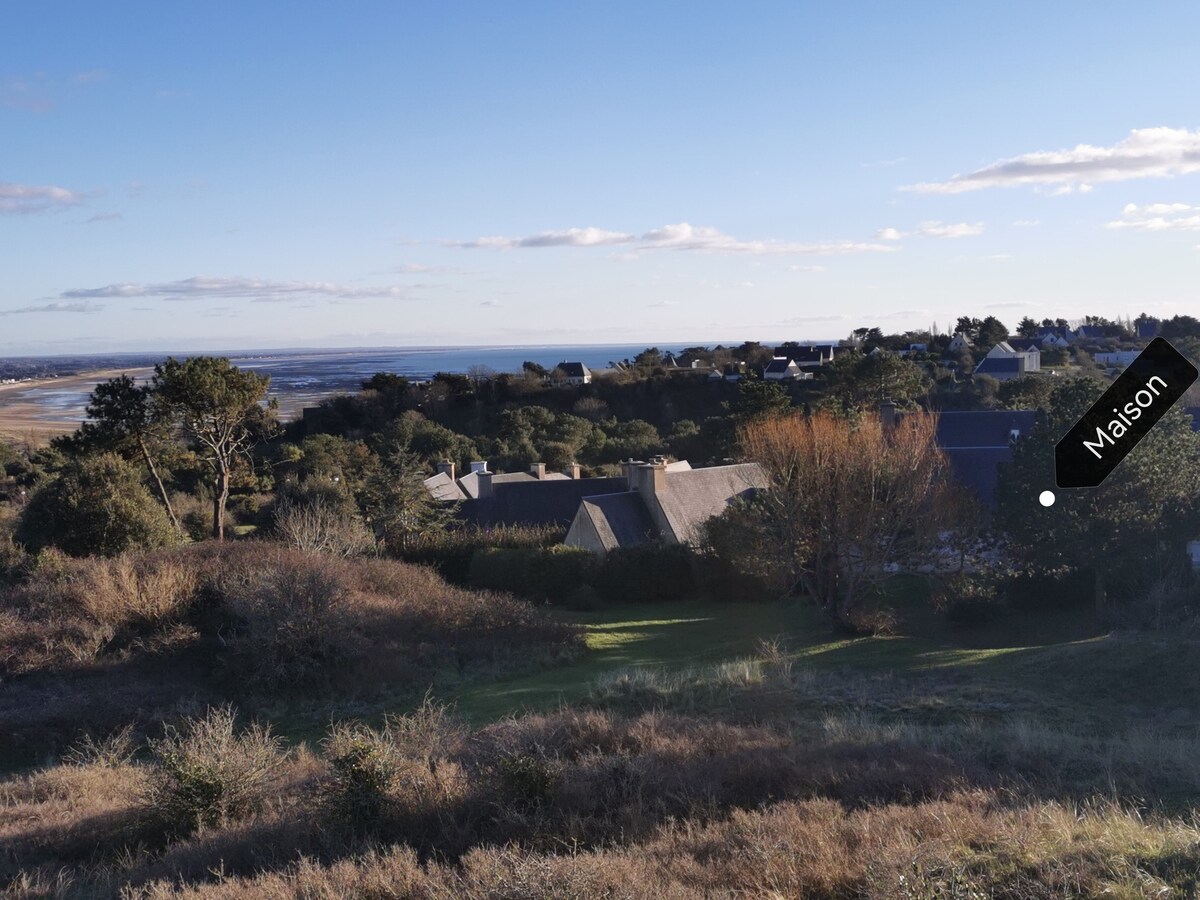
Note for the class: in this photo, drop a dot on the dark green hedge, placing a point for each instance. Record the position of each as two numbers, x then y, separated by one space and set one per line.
557 574
548 574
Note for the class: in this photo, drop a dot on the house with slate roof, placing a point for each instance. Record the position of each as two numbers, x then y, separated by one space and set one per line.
781 368
660 503
958 344
1056 337
1004 362
571 373
978 442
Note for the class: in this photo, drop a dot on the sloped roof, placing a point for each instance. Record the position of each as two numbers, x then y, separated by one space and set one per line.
693 497
1026 345
470 481
1002 348
529 501
779 364
975 429
620 520
444 488
978 442
574 369
978 468
1002 365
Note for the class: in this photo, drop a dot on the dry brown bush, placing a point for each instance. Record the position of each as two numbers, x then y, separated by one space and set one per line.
653 806
95 643
965 846
206 772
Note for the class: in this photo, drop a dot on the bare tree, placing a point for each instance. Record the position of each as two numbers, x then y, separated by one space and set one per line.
849 500
479 374
319 527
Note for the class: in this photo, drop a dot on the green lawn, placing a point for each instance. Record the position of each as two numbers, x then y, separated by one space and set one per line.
1101 682
672 635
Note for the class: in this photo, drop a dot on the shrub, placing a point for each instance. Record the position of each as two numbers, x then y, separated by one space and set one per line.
318 527
450 551
195 514
12 560
647 574
294 625
364 767
528 779
399 778
550 574
207 773
966 598
96 506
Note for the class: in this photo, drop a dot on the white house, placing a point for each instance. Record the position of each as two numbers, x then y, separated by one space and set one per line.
572 373
959 343
781 368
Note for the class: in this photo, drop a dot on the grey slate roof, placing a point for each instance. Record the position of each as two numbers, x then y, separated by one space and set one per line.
987 428
1025 345
470 481
692 498
779 365
533 502
620 520
1004 365
978 442
574 369
978 468
444 488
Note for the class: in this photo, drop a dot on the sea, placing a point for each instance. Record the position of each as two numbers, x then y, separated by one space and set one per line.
303 377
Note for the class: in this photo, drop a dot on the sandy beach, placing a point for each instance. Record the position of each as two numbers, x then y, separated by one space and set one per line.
35 411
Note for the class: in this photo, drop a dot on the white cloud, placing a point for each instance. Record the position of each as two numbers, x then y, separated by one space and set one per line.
203 286
1146 153
56 307
29 198
570 237
1027 223
1159 217
932 229
681 236
806 268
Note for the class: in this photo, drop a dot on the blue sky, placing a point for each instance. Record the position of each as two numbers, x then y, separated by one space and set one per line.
221 176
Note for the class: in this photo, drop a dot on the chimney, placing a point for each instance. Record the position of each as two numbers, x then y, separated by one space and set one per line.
478 466
652 476
630 468
538 471
887 414
445 467
485 485
573 470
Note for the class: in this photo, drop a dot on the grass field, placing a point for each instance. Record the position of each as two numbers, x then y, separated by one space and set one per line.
1102 682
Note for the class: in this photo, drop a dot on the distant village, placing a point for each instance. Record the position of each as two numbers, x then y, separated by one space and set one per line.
660 500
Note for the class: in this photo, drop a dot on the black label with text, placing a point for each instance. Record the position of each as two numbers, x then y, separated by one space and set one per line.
1123 416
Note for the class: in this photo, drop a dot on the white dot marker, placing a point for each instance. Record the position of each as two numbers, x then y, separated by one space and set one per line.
1046 498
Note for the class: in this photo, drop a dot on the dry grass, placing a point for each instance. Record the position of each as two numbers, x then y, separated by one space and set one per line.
95 643
965 846
590 803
